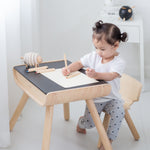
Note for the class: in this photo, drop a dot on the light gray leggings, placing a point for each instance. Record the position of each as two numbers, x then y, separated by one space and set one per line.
116 111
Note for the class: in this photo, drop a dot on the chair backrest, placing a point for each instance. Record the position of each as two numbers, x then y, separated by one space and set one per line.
130 88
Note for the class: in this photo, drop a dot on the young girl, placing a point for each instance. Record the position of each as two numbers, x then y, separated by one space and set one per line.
106 64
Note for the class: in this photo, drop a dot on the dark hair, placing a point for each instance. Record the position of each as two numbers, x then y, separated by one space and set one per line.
109 32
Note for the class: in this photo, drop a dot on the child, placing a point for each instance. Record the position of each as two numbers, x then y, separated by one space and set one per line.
106 64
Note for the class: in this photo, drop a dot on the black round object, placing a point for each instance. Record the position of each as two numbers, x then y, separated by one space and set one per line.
125 12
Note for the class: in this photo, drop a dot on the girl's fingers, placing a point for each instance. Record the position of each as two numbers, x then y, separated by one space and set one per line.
65 71
68 71
90 72
87 69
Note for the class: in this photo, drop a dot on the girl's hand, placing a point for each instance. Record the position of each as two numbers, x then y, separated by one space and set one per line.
90 73
65 71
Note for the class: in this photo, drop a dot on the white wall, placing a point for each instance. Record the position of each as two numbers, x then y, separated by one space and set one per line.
29 26
66 27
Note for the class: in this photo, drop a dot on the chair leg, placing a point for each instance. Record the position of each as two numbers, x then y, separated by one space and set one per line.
66 111
131 125
106 124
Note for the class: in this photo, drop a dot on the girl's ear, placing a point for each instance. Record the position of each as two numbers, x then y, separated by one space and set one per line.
116 45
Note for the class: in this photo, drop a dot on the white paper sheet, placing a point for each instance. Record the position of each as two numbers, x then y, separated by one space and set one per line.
60 79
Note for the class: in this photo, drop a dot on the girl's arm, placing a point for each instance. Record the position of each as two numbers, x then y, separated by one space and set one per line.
72 67
107 76
75 66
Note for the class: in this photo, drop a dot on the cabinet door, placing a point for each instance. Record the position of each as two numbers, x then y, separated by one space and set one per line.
133 33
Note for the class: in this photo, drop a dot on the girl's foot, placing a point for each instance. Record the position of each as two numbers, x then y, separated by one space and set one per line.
81 123
79 130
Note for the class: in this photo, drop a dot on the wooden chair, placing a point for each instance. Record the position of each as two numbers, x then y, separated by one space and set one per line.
130 90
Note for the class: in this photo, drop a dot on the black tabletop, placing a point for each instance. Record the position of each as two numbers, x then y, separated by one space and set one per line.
43 83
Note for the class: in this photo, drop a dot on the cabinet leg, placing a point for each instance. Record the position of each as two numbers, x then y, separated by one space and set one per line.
18 110
99 125
47 127
66 111
141 57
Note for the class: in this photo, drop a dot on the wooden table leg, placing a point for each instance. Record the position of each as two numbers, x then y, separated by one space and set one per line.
18 110
105 124
47 127
98 124
66 111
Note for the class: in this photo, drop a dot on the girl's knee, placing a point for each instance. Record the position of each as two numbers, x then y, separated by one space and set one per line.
116 112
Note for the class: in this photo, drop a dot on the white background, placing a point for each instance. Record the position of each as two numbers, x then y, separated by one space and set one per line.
55 27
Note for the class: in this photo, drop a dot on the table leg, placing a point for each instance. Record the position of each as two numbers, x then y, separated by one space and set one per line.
47 127
99 125
18 110
66 111
105 124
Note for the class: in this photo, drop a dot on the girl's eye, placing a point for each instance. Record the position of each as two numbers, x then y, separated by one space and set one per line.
102 49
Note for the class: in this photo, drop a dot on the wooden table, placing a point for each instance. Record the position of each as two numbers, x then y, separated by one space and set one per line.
47 93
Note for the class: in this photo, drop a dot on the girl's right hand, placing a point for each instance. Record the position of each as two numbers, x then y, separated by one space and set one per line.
65 71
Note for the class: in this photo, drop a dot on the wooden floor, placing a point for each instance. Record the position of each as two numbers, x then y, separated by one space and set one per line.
28 131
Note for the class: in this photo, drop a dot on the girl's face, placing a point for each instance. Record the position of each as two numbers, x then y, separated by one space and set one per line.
105 50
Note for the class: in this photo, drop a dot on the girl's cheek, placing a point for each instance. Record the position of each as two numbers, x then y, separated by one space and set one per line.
100 53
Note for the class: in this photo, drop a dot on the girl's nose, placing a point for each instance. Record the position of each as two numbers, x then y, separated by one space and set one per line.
100 53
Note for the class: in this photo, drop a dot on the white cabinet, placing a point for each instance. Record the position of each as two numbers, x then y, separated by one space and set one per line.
133 33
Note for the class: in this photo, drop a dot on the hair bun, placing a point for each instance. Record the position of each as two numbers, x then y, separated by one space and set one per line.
124 37
99 24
